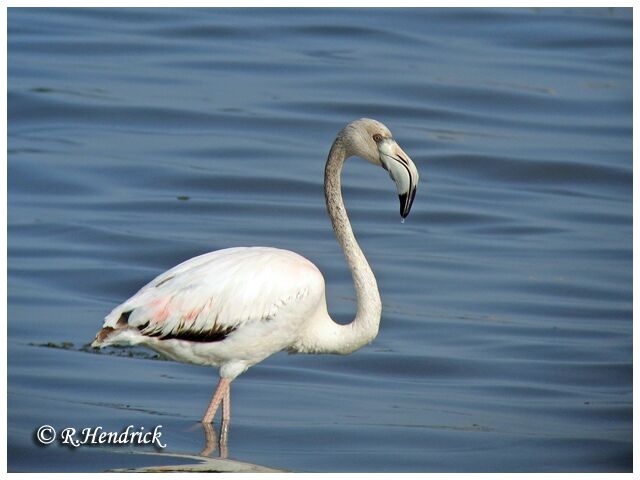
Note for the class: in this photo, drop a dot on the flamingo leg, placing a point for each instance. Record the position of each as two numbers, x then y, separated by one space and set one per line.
211 442
224 427
226 404
224 440
218 396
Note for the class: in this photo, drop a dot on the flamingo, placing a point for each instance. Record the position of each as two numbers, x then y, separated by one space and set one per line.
233 308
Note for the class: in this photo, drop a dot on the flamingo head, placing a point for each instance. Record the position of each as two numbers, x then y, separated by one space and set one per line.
372 140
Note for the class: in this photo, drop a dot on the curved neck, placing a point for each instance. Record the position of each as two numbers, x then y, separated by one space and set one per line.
364 328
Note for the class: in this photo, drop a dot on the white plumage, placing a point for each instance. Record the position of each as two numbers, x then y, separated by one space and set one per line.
237 295
232 308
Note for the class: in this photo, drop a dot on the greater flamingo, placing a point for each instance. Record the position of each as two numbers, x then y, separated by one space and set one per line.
233 308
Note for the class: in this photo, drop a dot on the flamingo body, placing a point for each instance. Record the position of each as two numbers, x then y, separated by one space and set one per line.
230 308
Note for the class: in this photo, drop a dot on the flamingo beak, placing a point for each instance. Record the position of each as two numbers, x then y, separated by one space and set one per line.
402 171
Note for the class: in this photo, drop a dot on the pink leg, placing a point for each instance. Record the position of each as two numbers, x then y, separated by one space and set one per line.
222 392
226 405
224 426
211 442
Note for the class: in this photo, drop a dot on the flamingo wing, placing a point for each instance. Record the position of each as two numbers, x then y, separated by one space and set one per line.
208 297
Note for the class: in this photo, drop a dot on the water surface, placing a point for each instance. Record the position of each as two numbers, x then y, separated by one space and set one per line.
140 138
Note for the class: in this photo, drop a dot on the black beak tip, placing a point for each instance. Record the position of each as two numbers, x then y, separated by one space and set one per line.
406 200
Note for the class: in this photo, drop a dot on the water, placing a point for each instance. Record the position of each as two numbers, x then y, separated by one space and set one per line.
140 138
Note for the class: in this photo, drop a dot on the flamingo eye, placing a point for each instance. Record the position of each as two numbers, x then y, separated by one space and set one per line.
377 137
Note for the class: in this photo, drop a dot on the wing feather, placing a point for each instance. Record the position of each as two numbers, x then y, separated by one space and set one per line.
208 297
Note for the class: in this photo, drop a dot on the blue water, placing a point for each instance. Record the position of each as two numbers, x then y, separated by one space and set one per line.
140 138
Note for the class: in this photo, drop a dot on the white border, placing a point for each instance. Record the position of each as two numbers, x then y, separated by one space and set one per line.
324 4
3 236
330 3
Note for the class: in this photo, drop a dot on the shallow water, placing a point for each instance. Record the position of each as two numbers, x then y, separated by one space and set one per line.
140 138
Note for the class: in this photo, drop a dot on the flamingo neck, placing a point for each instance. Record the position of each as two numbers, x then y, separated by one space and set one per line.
364 328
